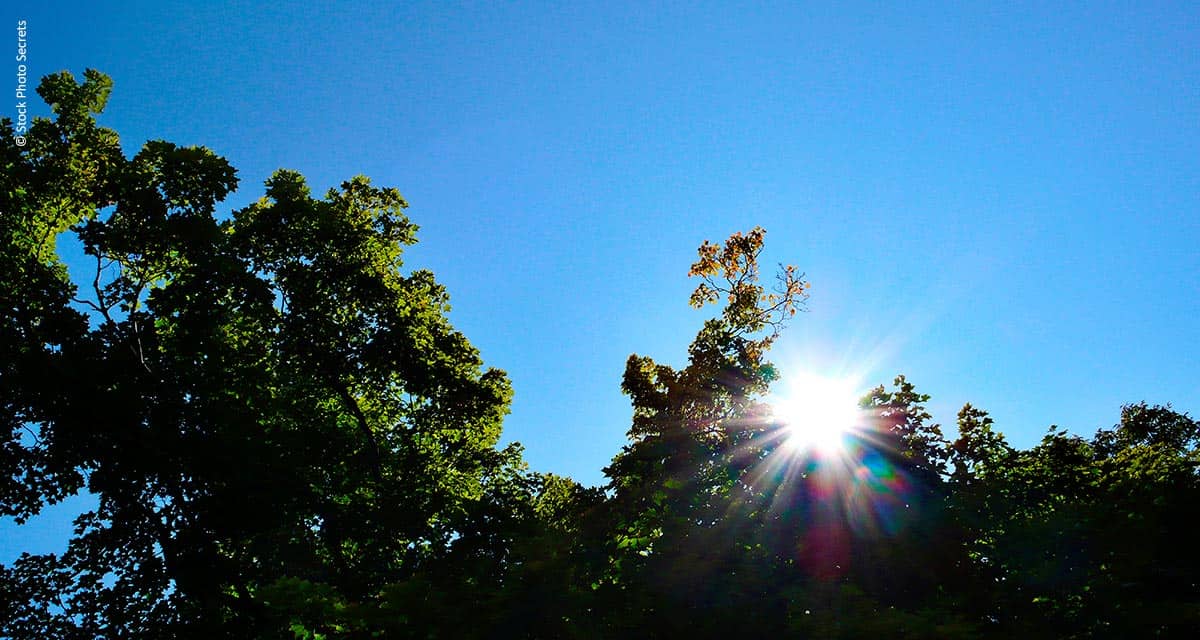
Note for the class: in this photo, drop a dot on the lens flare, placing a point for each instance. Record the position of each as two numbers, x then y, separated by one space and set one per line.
833 474
817 412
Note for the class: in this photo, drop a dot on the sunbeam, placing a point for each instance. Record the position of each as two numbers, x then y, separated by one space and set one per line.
817 412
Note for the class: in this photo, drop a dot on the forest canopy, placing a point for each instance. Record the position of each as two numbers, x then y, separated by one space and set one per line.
287 438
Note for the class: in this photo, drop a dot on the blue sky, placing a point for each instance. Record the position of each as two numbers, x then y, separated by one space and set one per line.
999 201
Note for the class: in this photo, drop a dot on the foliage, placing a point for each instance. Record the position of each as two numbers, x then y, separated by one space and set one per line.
683 501
278 423
286 438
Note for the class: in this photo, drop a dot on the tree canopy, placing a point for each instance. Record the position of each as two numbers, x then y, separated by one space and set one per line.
286 438
265 405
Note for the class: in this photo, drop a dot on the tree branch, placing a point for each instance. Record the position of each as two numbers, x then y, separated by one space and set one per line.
372 450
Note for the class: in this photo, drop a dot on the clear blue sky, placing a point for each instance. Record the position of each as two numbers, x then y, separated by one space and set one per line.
1000 201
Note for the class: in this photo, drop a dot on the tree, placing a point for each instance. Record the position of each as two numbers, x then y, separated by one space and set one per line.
278 422
1082 538
684 489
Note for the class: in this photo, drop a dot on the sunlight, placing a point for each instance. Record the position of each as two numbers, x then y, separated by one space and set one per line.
817 411
832 467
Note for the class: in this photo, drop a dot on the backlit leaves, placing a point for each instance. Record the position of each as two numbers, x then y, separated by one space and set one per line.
730 274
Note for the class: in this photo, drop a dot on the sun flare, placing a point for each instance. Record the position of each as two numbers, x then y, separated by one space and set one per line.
817 411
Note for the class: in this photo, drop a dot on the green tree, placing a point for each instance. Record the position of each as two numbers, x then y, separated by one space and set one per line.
683 492
1078 538
279 423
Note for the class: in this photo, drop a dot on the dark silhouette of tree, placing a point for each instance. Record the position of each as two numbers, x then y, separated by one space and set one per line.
686 504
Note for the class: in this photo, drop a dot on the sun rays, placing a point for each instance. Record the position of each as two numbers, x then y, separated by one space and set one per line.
817 412
830 467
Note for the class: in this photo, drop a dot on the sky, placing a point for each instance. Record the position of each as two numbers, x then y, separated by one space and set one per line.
999 201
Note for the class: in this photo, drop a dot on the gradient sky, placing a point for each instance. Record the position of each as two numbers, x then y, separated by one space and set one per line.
999 201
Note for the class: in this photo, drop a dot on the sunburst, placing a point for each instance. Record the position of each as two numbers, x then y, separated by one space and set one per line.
817 412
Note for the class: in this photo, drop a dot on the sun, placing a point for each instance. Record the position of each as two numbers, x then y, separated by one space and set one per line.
816 411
